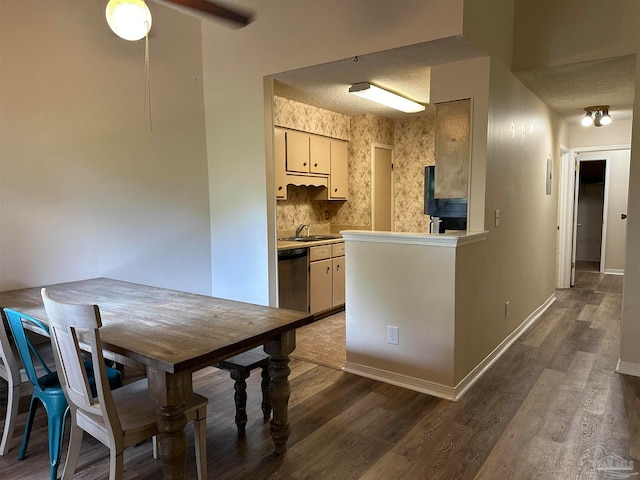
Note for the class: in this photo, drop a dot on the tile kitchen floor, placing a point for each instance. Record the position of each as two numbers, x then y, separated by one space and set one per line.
323 342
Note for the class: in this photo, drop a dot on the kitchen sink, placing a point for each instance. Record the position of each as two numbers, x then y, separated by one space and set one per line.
311 238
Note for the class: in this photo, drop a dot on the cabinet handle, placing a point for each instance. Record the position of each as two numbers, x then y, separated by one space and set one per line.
280 187
328 269
338 267
304 164
315 164
336 190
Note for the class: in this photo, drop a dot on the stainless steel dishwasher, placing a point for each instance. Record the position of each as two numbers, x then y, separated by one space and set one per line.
293 279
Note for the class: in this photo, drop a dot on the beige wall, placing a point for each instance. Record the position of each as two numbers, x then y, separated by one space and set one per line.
548 32
630 329
617 132
517 261
87 188
489 25
412 287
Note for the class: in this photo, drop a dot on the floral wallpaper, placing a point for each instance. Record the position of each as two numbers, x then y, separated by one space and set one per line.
290 114
414 148
413 142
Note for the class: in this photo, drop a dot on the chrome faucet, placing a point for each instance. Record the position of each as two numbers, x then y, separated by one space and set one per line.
300 228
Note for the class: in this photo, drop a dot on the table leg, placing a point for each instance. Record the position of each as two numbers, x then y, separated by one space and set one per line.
279 350
170 392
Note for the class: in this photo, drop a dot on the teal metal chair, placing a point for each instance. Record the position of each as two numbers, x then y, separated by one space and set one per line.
46 388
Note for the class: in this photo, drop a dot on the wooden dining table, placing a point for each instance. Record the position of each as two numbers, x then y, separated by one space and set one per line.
173 334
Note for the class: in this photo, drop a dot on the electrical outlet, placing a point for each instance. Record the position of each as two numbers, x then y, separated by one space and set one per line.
393 334
507 306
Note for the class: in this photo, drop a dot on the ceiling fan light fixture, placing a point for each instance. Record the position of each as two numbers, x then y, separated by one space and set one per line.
129 19
385 97
587 120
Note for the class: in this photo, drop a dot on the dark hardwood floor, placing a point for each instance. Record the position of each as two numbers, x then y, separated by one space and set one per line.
551 408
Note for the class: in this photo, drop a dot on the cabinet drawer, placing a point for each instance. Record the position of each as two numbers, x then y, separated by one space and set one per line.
319 253
337 249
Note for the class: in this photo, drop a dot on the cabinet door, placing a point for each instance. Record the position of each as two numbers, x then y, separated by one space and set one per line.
321 285
297 152
338 180
338 281
319 155
279 163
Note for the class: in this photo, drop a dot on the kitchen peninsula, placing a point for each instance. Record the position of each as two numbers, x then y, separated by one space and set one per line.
432 288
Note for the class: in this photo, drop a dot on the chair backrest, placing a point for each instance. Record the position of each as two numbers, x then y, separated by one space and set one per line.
68 323
26 350
10 368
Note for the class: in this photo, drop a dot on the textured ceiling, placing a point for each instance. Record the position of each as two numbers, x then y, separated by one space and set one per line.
404 70
566 89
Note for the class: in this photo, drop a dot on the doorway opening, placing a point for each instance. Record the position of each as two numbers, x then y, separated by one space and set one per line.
382 188
589 216
581 182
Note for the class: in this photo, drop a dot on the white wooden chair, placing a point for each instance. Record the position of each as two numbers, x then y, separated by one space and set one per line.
117 419
11 370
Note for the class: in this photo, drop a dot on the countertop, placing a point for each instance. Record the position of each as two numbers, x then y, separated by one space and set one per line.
288 244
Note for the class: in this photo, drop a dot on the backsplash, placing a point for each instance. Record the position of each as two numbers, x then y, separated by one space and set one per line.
413 142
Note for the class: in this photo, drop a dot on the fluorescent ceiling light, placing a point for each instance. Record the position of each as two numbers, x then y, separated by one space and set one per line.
385 97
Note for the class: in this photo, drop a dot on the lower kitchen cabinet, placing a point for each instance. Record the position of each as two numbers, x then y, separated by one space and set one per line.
321 284
326 277
338 281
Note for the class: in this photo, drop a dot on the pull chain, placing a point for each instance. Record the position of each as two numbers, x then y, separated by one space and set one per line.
147 73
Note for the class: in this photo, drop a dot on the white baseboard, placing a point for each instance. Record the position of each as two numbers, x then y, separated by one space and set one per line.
400 380
628 368
497 352
614 271
444 391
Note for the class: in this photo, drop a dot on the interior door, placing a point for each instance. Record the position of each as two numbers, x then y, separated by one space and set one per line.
382 205
576 192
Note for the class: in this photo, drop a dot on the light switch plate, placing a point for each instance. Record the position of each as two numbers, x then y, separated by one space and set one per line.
393 334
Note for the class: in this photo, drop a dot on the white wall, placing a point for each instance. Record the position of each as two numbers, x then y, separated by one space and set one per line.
287 34
86 187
